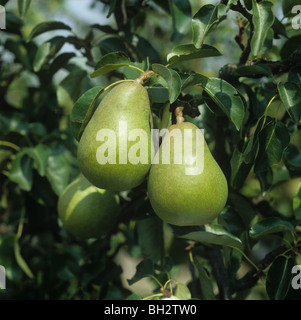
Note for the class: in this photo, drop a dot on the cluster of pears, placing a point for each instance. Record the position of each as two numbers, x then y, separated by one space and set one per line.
177 198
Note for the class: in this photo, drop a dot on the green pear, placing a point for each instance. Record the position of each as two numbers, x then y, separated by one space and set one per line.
114 151
188 192
87 211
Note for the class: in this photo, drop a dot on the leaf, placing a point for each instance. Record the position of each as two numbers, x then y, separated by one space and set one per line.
290 47
47 26
193 79
185 52
206 281
23 6
255 70
294 75
172 78
297 203
110 62
181 17
279 276
248 4
57 173
21 171
20 51
144 269
202 22
290 94
287 6
229 4
227 98
20 260
273 139
158 94
269 226
263 20
41 56
71 88
182 292
39 154
150 237
47 51
215 234
112 7
83 110
60 61
133 296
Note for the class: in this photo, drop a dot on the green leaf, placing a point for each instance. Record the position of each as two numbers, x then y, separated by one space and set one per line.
202 22
150 237
278 281
158 94
269 226
112 7
41 56
239 169
290 47
185 52
144 269
20 260
39 154
72 87
297 203
248 4
287 6
290 94
206 281
23 6
294 75
182 292
47 26
263 20
133 296
215 234
110 62
57 173
273 139
21 171
20 51
193 79
254 70
83 110
227 98
172 79
47 51
181 17
60 61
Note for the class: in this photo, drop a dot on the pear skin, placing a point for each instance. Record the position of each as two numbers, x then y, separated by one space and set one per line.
179 197
87 211
124 110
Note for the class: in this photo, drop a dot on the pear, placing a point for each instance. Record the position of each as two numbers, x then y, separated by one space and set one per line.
189 192
114 151
87 211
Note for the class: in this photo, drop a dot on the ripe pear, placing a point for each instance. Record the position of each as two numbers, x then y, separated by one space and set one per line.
191 192
87 211
114 151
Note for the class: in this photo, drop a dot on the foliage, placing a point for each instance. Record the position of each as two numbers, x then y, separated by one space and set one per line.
250 110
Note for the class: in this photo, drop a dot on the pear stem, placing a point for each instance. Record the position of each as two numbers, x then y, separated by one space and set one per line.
179 114
145 76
